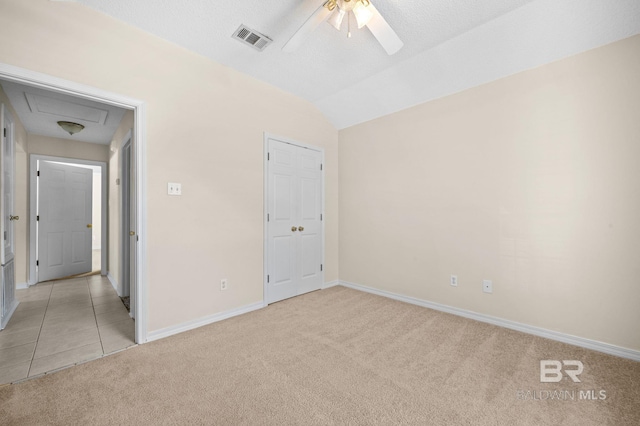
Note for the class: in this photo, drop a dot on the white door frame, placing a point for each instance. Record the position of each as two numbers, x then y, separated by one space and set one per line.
32 277
265 250
47 82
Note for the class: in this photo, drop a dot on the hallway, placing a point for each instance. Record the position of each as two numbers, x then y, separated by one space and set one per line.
62 323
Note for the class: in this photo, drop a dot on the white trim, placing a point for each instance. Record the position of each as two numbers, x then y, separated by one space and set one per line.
512 325
32 277
113 281
209 319
265 250
22 286
330 284
47 82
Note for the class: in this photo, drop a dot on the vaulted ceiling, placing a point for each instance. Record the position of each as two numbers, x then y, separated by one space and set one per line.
449 45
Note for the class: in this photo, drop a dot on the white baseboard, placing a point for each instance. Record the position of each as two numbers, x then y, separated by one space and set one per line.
114 282
190 325
331 284
22 286
529 329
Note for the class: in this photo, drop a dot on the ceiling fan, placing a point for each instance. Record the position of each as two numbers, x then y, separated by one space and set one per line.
336 12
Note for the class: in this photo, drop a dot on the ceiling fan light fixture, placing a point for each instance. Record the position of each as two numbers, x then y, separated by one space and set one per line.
70 127
336 18
362 13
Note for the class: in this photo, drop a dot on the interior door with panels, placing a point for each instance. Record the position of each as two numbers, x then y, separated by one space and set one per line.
64 220
8 302
294 220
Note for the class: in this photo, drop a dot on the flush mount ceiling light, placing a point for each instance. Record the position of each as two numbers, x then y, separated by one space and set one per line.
70 127
335 11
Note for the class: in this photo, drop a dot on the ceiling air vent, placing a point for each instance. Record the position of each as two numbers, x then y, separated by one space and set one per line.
252 38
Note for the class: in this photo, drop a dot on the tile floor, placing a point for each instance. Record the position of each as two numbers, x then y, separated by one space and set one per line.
62 323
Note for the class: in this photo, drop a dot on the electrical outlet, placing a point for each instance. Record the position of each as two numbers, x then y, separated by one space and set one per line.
174 188
487 286
454 280
224 284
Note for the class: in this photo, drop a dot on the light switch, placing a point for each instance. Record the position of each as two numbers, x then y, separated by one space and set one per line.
174 188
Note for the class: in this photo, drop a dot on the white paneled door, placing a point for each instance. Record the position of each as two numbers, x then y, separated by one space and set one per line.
294 220
8 302
64 220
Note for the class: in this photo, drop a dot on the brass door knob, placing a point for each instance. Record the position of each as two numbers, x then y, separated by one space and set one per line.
301 228
89 225
11 217
132 233
294 229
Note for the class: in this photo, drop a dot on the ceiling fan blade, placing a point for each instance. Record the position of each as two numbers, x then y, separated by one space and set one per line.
383 32
318 17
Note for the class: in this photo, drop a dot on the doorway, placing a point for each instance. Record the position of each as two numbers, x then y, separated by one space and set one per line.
294 219
68 206
53 84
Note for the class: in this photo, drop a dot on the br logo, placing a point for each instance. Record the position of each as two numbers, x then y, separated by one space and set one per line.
551 370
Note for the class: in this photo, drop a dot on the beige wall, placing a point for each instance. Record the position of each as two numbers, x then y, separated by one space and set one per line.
46 145
532 181
20 196
205 125
115 194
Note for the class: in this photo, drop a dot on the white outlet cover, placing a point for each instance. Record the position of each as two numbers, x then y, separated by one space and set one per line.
454 280
174 188
487 286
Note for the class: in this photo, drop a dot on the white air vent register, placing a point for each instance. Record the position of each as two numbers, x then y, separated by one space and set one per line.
252 38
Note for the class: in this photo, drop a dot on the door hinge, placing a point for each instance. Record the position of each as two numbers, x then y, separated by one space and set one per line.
320 166
5 132
268 156
320 216
37 263
5 235
267 278
38 173
321 267
267 217
37 218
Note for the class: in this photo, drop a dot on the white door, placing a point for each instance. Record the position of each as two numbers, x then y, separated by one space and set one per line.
64 220
128 221
294 220
8 173
8 303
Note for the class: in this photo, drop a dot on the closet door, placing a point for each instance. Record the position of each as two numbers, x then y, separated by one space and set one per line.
294 220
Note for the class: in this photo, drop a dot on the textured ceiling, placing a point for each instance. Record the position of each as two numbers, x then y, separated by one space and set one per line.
450 45
40 110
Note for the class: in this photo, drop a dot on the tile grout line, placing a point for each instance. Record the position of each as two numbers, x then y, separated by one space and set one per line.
95 317
35 347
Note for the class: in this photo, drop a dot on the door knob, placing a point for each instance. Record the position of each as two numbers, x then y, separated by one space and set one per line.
11 217
294 229
301 228
89 225
132 233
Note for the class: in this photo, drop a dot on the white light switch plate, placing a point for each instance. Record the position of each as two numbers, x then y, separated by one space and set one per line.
174 188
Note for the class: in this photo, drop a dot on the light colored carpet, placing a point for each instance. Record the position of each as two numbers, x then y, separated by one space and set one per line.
335 356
